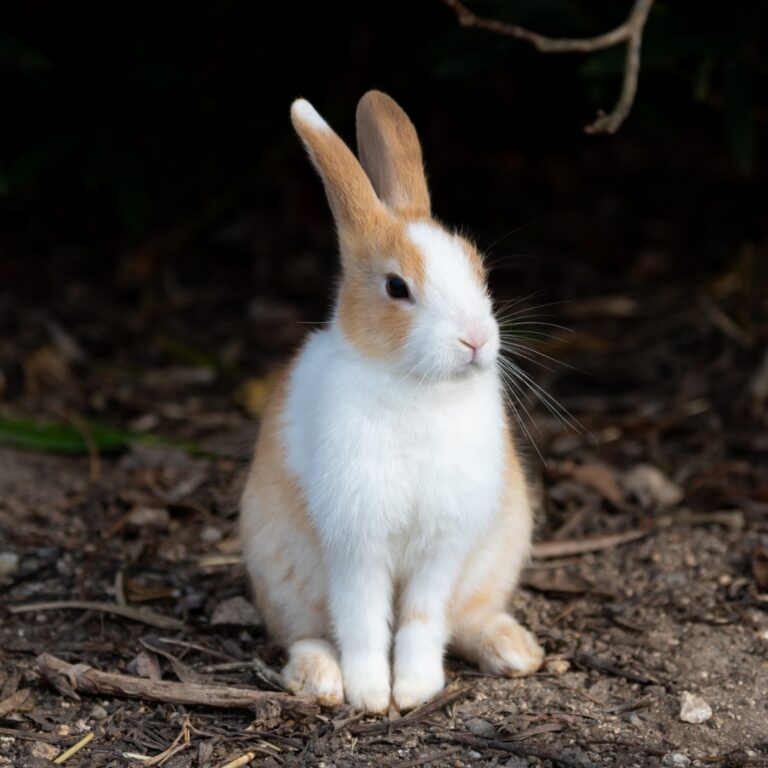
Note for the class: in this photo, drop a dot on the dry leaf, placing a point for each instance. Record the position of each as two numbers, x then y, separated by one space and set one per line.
147 666
597 476
139 592
21 701
254 393
652 488
237 611
44 368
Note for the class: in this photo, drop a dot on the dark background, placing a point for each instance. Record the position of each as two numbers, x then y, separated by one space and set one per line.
151 185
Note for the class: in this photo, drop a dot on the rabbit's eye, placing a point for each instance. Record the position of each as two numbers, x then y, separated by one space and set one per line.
397 288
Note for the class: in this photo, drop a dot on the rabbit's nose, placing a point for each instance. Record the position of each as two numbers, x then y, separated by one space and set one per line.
475 338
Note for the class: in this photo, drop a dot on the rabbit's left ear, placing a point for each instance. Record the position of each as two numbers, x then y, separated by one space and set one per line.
390 153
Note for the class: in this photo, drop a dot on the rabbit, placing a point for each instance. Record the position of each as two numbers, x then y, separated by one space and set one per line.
385 516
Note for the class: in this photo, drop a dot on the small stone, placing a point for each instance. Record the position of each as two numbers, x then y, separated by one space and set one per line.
675 760
9 563
473 755
149 517
44 750
481 727
634 719
211 534
693 709
517 762
557 666
98 712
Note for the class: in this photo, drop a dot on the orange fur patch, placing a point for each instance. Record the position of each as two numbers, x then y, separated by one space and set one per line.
349 190
390 152
376 324
280 496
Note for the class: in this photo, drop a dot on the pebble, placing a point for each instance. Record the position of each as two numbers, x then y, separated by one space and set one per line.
675 760
44 750
693 709
9 563
634 719
557 666
211 534
98 712
473 755
481 727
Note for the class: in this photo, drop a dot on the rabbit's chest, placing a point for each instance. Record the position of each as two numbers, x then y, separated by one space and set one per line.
426 474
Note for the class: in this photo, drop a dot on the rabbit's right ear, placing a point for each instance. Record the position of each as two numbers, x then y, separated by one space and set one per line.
353 201
390 152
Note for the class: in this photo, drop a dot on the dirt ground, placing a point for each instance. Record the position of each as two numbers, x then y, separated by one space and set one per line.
666 483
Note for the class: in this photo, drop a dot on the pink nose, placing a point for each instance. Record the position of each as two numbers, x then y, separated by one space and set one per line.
474 338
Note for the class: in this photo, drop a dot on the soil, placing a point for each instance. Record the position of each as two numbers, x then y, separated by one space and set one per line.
672 446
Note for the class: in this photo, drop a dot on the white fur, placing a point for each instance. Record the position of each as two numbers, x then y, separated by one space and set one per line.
305 112
401 478
453 306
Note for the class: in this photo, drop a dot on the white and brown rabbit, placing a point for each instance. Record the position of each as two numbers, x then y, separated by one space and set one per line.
386 516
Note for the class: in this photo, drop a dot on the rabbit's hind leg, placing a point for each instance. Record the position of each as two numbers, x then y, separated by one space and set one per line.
482 630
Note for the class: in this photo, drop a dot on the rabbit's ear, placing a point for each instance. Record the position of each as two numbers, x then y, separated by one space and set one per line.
390 152
353 202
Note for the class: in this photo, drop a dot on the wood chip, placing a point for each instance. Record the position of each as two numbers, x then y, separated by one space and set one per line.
142 615
20 701
549 549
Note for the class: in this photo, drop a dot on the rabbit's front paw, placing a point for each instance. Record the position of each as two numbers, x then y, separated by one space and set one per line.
313 670
419 682
366 684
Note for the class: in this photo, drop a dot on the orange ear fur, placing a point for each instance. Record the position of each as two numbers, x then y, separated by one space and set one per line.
390 152
353 202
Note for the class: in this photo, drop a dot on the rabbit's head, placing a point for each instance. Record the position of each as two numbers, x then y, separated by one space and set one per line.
412 294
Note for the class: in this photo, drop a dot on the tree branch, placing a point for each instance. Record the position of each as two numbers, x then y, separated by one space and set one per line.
630 32
81 677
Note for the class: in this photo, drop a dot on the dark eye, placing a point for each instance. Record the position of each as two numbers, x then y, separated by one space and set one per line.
397 288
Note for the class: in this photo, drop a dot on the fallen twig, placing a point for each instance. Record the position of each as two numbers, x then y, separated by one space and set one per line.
180 743
238 762
630 32
15 733
81 677
254 664
74 749
549 549
448 696
143 615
